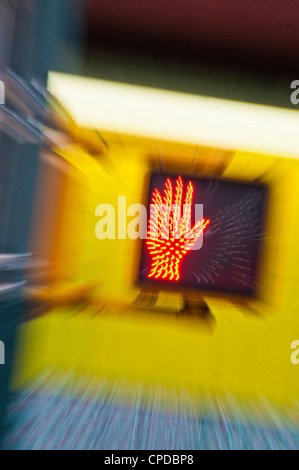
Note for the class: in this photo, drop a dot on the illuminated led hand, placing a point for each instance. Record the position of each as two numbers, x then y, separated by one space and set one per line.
170 236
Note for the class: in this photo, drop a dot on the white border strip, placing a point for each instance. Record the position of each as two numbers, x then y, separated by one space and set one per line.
2 93
180 117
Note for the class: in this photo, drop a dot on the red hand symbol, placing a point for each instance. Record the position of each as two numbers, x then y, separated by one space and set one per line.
170 236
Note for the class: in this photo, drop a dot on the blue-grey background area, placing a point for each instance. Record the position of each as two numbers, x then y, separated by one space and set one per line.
43 420
11 313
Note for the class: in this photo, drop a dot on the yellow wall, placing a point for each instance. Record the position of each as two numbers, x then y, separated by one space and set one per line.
247 355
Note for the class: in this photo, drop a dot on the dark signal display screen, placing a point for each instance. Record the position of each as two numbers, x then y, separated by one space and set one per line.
218 250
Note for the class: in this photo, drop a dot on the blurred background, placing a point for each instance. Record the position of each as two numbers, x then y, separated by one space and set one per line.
98 94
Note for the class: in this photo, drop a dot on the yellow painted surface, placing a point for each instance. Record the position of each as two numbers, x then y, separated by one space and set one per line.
245 355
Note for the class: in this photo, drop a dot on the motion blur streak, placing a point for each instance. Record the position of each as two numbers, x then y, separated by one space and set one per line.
92 361
133 360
